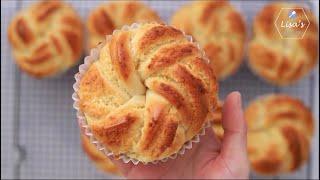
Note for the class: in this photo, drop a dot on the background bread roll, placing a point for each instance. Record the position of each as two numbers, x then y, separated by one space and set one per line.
46 38
282 61
99 159
280 129
220 30
108 17
217 121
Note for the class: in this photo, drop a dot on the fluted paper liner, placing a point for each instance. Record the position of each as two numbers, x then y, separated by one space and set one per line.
94 55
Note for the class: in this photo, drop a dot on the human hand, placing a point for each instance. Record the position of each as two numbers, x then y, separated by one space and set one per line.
209 159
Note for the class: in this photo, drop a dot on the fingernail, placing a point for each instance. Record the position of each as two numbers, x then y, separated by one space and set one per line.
239 102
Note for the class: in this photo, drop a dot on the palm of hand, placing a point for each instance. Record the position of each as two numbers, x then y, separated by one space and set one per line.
209 159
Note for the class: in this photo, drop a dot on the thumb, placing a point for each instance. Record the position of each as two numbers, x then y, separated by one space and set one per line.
234 143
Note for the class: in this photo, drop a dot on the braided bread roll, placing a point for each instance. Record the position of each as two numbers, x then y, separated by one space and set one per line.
108 17
280 129
100 160
220 30
46 38
148 93
277 60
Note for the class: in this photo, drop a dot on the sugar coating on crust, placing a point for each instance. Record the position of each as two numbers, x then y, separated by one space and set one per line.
46 38
219 29
100 160
280 129
108 17
277 60
149 92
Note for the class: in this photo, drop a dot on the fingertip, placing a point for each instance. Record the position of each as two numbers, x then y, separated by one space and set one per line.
233 117
235 96
235 93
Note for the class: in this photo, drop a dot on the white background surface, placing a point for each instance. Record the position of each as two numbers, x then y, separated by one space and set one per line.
39 133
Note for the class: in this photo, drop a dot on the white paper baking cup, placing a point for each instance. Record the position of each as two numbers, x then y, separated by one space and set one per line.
85 128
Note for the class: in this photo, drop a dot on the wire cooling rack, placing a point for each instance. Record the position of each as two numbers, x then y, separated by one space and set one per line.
39 132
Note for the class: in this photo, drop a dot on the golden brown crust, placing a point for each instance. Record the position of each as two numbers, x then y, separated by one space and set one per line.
277 60
45 9
285 126
46 38
100 160
120 55
268 165
147 99
108 17
170 55
23 31
102 23
57 44
156 35
219 29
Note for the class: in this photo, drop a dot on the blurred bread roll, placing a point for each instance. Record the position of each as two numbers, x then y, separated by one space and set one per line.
286 58
217 121
280 129
99 159
148 93
220 30
279 134
46 38
108 17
